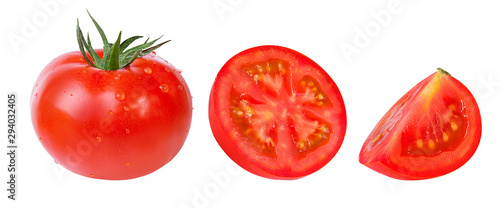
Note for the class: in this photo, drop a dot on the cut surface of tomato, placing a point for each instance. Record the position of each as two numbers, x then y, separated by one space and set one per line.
434 129
277 113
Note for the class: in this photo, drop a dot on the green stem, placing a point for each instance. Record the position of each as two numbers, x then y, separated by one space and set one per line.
443 71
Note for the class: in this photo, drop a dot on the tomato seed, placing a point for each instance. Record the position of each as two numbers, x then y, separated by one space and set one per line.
301 146
239 113
420 143
303 83
320 96
445 137
431 144
454 126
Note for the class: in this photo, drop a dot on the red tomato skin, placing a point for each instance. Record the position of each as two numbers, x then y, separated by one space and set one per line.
222 134
385 158
111 125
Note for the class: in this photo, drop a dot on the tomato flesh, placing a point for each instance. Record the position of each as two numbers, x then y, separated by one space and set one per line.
432 130
433 135
276 113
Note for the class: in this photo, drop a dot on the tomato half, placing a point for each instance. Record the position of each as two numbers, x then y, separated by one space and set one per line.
277 113
118 124
432 130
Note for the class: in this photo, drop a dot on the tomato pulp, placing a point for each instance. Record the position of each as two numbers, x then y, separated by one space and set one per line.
277 113
432 130
114 125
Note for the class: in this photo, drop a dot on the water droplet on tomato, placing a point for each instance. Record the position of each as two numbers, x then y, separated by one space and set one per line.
125 108
91 175
154 62
39 138
168 69
110 112
56 162
127 131
127 164
118 77
148 70
99 139
154 53
179 71
180 87
164 88
120 95
70 94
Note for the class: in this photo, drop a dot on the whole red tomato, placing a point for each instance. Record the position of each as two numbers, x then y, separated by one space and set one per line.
111 123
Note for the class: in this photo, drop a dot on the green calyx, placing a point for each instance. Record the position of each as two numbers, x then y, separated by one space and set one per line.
115 56
442 71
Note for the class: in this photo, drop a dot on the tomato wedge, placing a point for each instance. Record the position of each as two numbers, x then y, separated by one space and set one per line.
277 113
432 130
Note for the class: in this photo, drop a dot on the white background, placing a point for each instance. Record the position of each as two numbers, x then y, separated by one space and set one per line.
393 54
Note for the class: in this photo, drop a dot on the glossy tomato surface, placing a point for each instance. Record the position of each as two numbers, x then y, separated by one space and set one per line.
277 113
432 130
111 124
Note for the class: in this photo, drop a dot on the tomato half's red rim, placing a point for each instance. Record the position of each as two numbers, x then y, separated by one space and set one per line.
277 113
432 130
